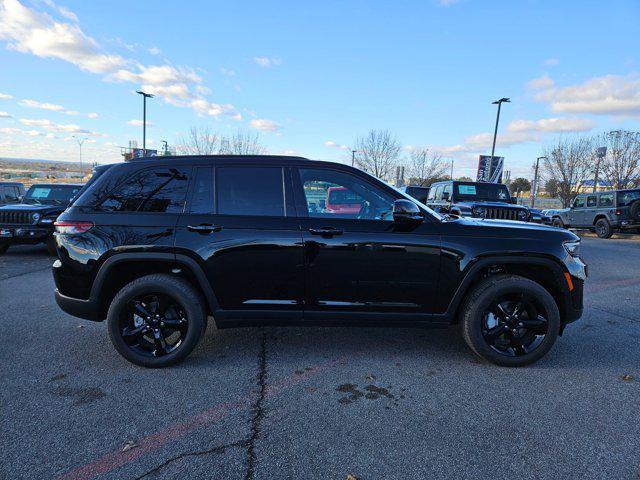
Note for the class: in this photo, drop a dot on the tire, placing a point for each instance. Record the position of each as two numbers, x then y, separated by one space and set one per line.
634 210
185 298
558 223
51 247
4 248
603 228
474 317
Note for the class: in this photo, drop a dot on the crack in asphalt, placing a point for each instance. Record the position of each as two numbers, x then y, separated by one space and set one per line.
257 409
257 417
633 320
217 449
24 273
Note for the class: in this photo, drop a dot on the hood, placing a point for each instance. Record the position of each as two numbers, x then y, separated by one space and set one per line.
489 203
489 227
25 207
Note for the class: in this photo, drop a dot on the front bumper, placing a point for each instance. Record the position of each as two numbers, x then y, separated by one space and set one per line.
578 273
24 234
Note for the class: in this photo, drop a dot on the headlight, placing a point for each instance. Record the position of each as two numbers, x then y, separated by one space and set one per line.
479 211
35 217
522 215
572 247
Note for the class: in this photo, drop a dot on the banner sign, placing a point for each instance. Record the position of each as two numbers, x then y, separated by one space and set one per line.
139 153
496 164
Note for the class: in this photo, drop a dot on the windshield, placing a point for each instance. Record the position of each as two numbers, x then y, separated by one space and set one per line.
482 191
50 194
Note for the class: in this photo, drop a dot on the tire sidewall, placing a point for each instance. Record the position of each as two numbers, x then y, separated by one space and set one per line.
600 224
165 284
473 319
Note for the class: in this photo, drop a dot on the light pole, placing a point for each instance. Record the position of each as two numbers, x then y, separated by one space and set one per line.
80 142
495 132
534 187
144 120
353 158
601 152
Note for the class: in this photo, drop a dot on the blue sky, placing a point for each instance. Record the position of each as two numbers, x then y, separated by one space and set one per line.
312 77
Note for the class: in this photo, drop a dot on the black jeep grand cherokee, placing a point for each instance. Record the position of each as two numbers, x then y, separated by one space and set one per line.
156 246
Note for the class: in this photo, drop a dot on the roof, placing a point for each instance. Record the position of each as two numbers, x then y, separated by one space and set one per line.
214 158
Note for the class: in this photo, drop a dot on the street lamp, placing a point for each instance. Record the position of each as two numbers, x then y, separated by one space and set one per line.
353 157
144 120
601 152
534 187
495 132
80 142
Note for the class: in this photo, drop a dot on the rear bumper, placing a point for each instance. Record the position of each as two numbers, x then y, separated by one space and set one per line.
87 309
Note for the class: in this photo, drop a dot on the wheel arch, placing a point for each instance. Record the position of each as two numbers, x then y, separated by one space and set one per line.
122 268
600 216
543 270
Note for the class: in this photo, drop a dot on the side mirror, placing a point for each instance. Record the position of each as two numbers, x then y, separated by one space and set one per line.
445 196
514 200
406 213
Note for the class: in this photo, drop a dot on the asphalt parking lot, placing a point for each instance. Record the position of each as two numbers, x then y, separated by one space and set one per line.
321 402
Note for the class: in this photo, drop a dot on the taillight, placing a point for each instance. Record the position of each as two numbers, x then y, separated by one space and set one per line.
618 212
72 227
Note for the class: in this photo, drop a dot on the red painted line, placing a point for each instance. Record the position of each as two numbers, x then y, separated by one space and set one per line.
117 458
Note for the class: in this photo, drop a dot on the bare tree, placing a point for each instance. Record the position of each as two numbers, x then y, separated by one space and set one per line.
621 165
199 141
424 167
242 144
203 141
570 161
378 153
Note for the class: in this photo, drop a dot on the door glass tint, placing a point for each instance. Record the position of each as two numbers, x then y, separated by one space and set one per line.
591 201
202 196
160 190
578 202
334 194
250 191
627 198
606 200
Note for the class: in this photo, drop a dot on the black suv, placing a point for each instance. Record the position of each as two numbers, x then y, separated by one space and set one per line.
476 199
31 220
605 212
156 246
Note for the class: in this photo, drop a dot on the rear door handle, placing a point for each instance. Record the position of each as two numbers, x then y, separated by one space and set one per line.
204 228
326 231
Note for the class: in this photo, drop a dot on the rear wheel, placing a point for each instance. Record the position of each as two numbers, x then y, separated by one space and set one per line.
510 320
603 228
156 320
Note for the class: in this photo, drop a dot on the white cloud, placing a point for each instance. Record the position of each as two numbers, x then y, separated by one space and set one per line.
264 125
551 62
57 127
482 141
5 96
552 125
92 115
40 105
138 123
267 62
447 3
65 12
38 33
543 82
614 95
227 72
4 115
332 144
154 51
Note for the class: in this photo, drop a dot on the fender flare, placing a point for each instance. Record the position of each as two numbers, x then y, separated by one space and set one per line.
168 258
481 262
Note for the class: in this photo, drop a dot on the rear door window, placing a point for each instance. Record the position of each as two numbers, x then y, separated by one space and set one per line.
156 190
591 201
257 191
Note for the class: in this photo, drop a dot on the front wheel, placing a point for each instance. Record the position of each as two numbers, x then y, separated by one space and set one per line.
510 320
603 228
156 320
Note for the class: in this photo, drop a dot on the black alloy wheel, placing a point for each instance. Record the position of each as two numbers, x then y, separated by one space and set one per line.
513 325
153 325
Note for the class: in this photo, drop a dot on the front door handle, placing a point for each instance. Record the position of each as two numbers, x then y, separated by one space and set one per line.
204 228
326 231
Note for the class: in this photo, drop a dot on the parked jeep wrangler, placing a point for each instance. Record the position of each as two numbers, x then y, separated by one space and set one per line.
31 221
604 212
476 199
156 246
